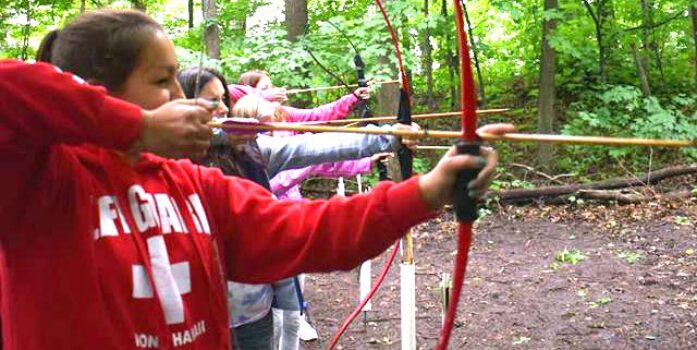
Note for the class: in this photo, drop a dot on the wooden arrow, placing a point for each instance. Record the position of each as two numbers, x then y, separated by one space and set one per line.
440 134
482 112
337 87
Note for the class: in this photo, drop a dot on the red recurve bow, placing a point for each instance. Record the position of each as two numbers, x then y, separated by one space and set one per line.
465 207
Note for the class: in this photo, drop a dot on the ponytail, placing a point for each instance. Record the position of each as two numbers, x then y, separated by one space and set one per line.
46 46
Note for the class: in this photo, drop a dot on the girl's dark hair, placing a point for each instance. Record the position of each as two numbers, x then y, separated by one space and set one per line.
244 159
252 77
187 80
103 47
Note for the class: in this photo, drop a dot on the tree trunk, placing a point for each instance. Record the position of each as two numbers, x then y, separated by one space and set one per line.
296 18
547 98
645 40
475 55
641 72
388 95
659 61
452 61
427 61
26 32
606 13
82 6
596 16
693 11
212 32
191 14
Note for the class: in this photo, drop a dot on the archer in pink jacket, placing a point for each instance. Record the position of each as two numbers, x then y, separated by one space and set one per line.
334 110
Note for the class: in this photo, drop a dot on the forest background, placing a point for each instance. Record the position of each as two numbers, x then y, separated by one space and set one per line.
584 67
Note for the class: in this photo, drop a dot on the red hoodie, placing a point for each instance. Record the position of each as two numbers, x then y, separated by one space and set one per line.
84 232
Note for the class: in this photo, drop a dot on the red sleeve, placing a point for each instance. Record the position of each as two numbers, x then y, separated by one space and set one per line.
40 106
266 239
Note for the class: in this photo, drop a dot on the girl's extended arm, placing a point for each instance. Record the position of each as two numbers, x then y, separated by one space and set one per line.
285 180
283 153
290 237
330 111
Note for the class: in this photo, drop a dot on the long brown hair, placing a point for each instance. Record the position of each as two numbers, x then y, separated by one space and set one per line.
102 47
188 77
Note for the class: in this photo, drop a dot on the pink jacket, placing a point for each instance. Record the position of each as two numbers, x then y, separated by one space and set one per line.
285 184
330 111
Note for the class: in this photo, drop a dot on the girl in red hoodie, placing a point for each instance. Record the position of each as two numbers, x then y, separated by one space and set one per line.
106 245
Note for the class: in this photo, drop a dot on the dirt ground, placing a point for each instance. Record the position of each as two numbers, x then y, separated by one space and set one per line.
635 289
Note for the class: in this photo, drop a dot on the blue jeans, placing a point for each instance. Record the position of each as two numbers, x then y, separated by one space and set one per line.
254 336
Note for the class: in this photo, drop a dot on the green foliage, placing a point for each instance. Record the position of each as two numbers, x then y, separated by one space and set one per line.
602 301
572 257
188 58
575 200
682 221
622 111
507 35
629 257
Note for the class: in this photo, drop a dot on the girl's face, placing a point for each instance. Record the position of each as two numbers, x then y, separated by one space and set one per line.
264 83
154 80
215 91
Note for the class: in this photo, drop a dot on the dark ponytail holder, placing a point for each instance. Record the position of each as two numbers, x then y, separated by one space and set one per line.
46 46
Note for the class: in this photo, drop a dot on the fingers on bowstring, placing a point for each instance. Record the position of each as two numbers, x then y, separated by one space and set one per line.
487 174
206 104
497 128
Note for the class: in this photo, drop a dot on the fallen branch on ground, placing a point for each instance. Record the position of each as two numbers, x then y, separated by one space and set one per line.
539 173
559 194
